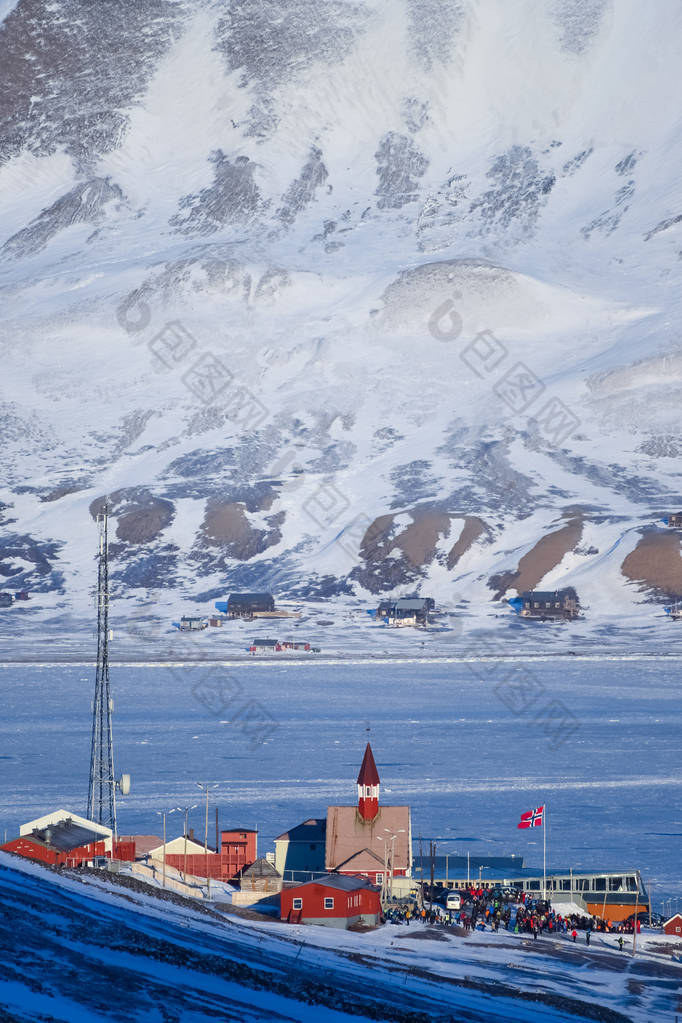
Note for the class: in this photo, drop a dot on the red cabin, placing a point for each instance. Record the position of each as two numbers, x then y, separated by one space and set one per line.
673 925
334 900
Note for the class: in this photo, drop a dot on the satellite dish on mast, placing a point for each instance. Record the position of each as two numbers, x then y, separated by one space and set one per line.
124 784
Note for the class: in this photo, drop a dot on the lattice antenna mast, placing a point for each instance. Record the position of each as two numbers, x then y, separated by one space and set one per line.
102 788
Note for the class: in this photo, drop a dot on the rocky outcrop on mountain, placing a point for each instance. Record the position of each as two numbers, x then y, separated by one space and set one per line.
655 564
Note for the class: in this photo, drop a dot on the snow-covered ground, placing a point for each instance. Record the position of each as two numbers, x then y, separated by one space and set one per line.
76 951
336 201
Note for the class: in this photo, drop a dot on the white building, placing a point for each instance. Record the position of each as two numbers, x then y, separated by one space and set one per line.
59 817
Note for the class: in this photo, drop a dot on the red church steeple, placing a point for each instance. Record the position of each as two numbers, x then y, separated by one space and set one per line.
368 787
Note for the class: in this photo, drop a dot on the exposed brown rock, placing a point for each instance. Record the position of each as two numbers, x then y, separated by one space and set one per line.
378 539
419 540
656 564
473 528
417 543
226 525
141 525
544 556
141 517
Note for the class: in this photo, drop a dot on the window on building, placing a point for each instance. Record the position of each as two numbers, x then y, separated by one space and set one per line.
297 904
615 884
534 886
328 903
380 878
599 884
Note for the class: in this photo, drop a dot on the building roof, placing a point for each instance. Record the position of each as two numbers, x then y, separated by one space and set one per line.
265 642
260 868
249 598
348 834
410 603
342 882
567 591
363 860
675 916
56 816
143 843
312 830
175 846
66 835
368 774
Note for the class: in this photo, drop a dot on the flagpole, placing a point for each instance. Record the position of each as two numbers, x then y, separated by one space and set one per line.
544 854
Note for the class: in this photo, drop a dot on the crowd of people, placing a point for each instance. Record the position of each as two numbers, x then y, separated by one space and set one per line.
482 911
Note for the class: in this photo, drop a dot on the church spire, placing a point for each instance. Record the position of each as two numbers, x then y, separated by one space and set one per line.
368 787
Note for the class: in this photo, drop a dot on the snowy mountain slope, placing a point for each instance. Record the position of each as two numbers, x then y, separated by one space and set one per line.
191 962
369 215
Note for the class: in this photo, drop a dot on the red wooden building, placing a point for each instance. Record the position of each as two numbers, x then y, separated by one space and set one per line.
238 850
64 843
673 925
334 900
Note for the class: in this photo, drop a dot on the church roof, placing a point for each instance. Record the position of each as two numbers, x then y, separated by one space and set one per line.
364 859
348 834
368 771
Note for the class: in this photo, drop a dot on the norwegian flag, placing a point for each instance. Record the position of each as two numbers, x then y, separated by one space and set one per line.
532 819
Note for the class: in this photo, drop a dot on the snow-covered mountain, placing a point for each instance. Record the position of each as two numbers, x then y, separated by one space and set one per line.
341 298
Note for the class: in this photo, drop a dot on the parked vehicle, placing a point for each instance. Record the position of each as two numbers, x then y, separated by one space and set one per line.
645 919
453 900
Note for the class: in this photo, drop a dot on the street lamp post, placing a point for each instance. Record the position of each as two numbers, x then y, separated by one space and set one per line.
384 886
391 857
206 787
186 811
163 814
